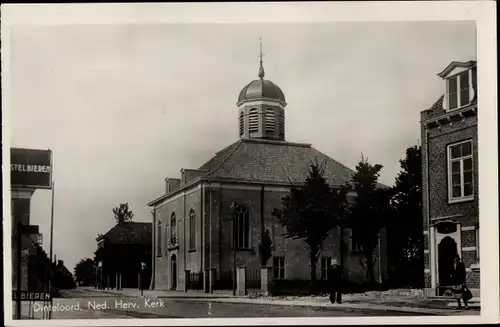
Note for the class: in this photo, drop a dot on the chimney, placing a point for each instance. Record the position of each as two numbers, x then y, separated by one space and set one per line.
172 184
60 263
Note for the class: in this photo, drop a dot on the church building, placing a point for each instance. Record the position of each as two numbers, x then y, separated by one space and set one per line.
193 228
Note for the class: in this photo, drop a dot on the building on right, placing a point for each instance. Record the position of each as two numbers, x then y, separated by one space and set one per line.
450 180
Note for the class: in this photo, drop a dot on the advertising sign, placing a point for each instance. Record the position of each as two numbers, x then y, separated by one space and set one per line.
31 168
31 296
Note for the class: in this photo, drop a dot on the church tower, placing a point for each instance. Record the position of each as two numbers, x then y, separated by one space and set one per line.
261 109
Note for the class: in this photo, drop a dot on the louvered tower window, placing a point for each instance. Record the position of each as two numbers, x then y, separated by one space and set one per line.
282 125
270 120
242 123
253 120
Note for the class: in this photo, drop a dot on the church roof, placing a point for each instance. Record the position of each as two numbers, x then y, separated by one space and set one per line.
129 232
273 162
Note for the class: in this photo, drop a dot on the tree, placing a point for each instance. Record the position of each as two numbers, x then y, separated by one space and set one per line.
265 248
368 213
407 223
123 214
84 271
310 212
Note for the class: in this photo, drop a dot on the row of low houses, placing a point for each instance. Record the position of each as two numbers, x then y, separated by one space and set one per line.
211 219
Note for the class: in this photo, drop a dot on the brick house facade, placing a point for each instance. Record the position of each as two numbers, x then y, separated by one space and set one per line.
450 179
193 230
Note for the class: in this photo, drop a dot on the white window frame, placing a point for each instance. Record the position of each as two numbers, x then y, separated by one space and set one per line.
462 198
280 268
471 89
326 262
354 246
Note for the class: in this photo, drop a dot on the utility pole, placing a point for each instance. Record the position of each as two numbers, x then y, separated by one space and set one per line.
18 269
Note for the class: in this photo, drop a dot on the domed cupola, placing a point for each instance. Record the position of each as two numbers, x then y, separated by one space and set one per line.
261 106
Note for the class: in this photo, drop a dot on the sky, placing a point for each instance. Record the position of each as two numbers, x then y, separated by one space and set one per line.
125 106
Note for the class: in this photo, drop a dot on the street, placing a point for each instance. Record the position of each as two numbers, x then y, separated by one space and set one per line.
93 304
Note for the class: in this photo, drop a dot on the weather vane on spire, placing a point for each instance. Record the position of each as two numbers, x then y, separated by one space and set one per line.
261 68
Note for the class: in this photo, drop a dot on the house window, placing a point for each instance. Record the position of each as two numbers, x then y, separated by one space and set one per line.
326 262
460 171
270 120
460 88
356 244
158 241
173 229
242 227
279 267
192 229
242 123
253 120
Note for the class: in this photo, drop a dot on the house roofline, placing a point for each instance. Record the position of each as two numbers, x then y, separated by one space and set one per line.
453 64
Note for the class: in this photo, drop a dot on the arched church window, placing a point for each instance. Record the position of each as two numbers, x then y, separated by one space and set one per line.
242 123
192 230
270 120
242 227
167 241
253 120
173 229
158 241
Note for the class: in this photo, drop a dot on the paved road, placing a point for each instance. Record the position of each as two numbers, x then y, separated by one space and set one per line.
92 304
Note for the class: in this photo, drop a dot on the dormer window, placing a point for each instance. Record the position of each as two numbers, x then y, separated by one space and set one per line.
461 84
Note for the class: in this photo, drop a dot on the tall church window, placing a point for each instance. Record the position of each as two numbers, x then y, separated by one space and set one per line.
242 123
253 120
173 229
166 238
192 230
279 267
242 227
158 241
270 120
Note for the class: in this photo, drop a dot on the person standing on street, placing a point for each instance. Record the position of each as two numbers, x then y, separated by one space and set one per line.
459 282
335 281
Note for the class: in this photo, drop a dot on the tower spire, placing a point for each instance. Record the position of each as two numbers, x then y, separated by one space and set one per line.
261 68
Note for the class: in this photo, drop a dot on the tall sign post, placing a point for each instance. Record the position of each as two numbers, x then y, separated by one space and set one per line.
143 267
30 169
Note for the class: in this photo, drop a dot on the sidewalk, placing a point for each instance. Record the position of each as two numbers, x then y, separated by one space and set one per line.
350 301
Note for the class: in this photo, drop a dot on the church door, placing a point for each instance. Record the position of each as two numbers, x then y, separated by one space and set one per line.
173 267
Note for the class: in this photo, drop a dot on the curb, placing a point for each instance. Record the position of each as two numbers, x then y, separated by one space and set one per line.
240 300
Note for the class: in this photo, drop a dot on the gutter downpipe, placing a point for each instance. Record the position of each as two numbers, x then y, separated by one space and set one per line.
428 196
153 251
202 223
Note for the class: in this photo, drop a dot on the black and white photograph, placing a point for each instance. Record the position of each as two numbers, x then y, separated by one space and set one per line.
320 162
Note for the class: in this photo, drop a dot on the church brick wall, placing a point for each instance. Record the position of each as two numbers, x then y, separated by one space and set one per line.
215 244
185 259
